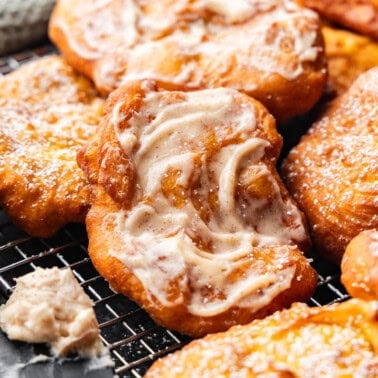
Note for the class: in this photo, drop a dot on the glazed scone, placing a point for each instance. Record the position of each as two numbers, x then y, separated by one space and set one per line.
49 306
47 112
189 217
359 266
339 340
271 49
333 171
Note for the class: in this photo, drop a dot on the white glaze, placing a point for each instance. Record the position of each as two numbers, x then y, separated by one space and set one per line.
274 36
159 237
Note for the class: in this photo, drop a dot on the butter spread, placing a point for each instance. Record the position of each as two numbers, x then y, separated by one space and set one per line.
49 306
200 233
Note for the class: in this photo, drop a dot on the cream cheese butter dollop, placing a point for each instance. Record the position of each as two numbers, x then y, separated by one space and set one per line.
49 306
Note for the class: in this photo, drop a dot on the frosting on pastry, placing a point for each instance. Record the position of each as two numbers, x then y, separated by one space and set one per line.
274 36
188 221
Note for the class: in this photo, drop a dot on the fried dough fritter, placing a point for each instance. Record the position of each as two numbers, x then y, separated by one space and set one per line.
333 171
189 217
272 50
348 55
47 112
358 15
338 340
359 266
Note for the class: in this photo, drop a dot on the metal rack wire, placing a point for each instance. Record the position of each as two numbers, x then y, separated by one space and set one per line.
134 340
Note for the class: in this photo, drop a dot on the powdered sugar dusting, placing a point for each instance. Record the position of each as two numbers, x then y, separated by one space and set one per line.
47 113
330 341
339 157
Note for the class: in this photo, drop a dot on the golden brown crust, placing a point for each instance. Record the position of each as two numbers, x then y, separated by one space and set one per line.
47 112
333 172
359 266
115 195
330 341
274 52
348 55
358 15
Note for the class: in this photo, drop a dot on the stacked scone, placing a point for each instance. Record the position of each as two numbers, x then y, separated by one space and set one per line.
185 210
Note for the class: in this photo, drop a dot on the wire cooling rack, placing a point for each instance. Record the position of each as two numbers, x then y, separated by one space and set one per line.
133 339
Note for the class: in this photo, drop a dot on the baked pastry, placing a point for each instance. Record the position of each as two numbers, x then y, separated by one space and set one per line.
359 266
338 340
271 50
333 171
358 15
189 217
348 55
47 112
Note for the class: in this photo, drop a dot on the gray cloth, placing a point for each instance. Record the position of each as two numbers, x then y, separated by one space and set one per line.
23 23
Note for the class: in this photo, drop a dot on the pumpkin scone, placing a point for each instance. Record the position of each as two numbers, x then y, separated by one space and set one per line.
189 217
47 112
333 171
339 340
272 50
